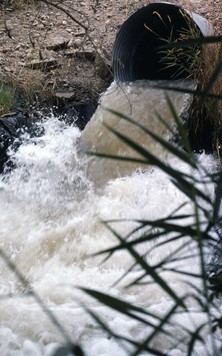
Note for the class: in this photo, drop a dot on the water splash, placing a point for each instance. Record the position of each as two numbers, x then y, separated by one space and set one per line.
50 223
141 102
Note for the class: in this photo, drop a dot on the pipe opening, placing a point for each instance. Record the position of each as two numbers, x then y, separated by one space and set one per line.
136 53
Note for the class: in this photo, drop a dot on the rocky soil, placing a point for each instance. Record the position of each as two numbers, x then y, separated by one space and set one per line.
62 53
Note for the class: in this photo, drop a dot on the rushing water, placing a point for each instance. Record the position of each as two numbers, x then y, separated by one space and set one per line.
52 205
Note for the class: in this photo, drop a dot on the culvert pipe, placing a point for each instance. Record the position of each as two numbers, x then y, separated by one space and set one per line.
137 52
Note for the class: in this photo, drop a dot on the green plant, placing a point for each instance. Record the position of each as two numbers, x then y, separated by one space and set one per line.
205 113
185 60
186 230
185 233
13 95
8 93
181 60
206 116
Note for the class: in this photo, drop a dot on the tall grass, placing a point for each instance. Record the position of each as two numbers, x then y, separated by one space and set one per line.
199 63
206 116
8 94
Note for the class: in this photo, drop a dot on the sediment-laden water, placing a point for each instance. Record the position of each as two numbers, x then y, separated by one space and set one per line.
52 205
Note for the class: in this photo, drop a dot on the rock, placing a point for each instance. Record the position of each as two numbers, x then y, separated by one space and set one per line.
30 53
65 96
70 43
42 64
7 69
80 34
56 42
78 42
88 54
11 128
79 114
41 26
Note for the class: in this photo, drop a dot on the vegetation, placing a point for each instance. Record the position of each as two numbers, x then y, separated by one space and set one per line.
198 63
182 60
206 116
8 95
196 231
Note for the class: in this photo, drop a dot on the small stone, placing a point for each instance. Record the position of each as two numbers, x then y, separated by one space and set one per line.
77 42
70 43
65 95
29 54
56 42
80 34
87 54
43 65
41 26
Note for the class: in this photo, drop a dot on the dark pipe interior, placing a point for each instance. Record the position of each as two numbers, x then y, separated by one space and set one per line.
136 53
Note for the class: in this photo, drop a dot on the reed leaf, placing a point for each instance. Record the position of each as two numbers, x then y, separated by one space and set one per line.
193 41
190 159
191 231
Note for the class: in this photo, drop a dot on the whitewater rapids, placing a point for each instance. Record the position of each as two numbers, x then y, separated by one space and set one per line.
50 224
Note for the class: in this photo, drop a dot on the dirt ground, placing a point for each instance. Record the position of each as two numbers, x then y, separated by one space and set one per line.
62 53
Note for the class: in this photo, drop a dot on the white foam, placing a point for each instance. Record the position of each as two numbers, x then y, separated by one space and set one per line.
50 224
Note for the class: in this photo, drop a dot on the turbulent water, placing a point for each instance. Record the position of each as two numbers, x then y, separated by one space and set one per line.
142 103
52 204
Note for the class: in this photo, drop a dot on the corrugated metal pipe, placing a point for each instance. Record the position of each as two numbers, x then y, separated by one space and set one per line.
137 52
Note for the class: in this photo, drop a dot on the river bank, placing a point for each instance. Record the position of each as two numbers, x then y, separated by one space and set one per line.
60 55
